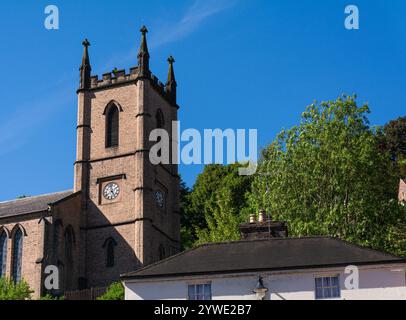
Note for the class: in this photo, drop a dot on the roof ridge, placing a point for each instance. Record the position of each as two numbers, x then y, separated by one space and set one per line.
35 197
263 240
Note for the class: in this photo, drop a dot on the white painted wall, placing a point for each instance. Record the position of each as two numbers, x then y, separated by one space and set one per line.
379 282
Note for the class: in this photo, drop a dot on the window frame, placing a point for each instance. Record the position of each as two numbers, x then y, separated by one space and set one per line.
329 286
110 243
17 263
4 253
204 295
108 126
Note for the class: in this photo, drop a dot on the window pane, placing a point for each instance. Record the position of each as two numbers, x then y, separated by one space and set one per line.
327 287
200 292
207 292
3 254
17 255
192 292
319 293
336 292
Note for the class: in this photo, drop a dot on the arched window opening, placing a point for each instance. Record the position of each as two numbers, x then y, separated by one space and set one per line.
69 242
17 255
56 240
162 254
112 127
3 254
110 245
159 118
160 122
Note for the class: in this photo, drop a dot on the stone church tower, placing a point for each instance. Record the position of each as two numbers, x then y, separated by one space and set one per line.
129 207
124 211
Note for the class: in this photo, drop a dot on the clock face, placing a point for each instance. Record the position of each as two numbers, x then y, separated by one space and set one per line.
160 199
111 191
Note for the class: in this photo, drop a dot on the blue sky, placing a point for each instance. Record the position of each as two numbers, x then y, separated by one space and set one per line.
240 64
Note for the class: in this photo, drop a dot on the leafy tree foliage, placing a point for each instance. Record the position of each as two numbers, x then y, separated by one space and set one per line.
115 292
14 291
394 141
215 206
51 297
329 176
223 221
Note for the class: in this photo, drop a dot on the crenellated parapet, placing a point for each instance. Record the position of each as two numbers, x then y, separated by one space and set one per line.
121 77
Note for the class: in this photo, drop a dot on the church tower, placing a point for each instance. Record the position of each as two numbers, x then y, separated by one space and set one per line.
130 207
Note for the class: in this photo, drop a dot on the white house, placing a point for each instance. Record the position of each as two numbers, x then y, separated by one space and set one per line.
267 264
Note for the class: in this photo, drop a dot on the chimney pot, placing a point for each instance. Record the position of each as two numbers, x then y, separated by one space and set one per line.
262 216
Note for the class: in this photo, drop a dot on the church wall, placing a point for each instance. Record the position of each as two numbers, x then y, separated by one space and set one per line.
112 219
32 248
166 175
136 222
125 96
68 212
125 259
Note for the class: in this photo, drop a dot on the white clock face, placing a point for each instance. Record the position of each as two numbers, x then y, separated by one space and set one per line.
111 191
160 199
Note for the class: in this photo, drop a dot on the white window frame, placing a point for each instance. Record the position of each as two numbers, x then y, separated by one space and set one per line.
322 277
195 285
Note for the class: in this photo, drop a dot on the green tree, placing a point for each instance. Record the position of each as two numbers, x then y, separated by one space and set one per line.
329 176
14 291
51 297
115 292
394 141
187 219
219 193
223 221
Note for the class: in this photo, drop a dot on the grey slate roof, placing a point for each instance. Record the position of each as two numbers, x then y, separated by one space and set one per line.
31 204
264 255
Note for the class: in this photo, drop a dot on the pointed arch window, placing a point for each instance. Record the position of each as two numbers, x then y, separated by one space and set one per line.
110 246
69 243
56 238
112 126
17 255
3 253
160 122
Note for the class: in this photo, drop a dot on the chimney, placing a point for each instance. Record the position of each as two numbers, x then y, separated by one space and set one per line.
402 191
265 228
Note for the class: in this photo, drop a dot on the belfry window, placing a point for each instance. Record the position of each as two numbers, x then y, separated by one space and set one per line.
3 254
112 127
159 118
17 255
160 122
